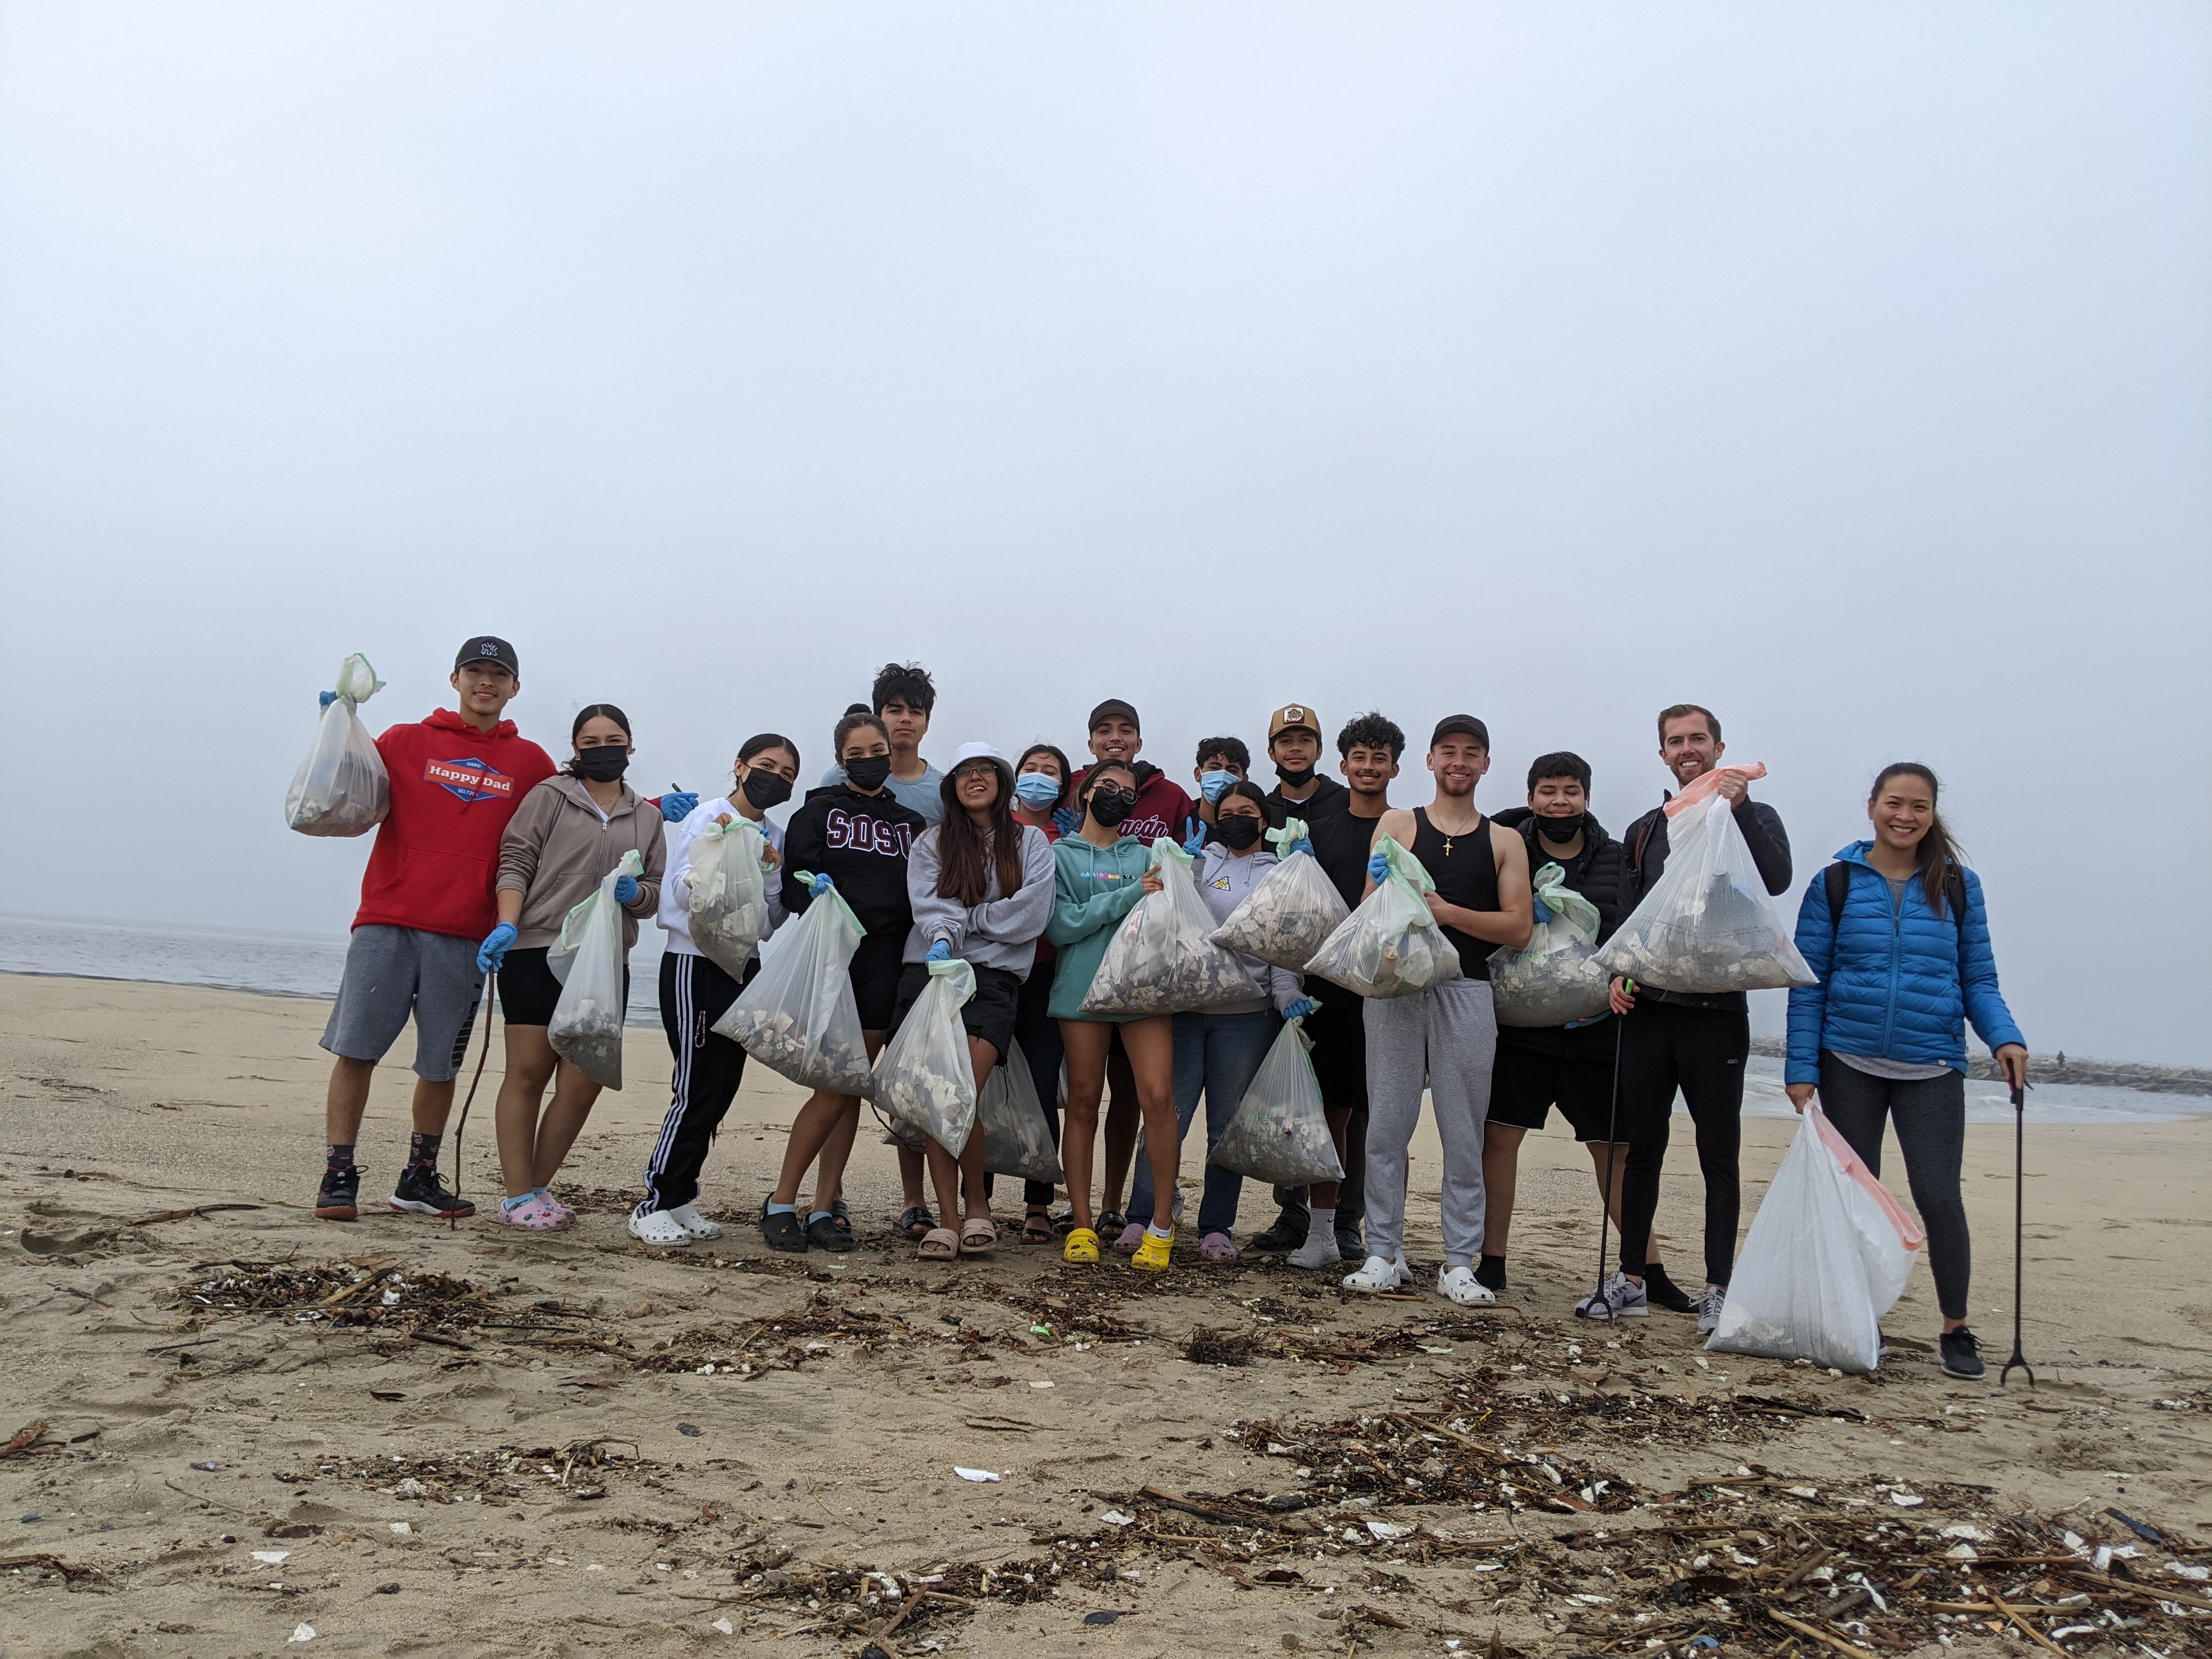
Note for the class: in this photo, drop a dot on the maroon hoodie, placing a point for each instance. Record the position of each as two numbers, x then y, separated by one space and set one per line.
1161 809
453 789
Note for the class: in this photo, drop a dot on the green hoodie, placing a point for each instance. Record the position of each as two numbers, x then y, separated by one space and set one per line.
1092 888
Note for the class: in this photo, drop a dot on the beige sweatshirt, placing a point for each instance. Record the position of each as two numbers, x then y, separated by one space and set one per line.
558 847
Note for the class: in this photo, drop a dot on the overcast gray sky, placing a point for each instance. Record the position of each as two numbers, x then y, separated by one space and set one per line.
1848 369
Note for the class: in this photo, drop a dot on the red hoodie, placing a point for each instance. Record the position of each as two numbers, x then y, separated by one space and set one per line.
453 789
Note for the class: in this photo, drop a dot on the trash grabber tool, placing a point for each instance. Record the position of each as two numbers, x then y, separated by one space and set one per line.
2019 1163
490 1002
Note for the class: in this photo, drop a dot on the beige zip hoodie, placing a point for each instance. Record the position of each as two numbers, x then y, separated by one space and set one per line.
559 847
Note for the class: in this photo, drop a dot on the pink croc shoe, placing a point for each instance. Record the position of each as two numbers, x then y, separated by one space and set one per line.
528 1210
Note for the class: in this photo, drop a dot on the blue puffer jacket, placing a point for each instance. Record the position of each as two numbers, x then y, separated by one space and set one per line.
1890 987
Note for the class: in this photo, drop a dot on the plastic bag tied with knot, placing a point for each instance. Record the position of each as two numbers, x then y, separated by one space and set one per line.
1161 958
1390 947
1828 1254
342 787
923 1078
1554 979
1280 1132
588 959
728 899
1016 1134
1708 924
798 1016
1296 905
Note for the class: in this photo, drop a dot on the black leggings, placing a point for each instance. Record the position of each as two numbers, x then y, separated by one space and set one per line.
1931 1114
1038 1033
1701 1051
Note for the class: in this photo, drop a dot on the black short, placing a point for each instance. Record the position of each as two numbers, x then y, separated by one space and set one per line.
528 992
1526 1081
876 977
1338 1028
988 1015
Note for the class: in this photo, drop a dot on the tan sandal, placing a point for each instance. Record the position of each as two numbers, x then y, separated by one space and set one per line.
979 1236
939 1244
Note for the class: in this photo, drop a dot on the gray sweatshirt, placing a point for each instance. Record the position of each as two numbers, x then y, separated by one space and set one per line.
1001 932
1226 881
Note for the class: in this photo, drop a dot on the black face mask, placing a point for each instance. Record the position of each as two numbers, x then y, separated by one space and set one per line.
764 789
1236 830
1298 780
1560 830
1110 806
868 772
603 764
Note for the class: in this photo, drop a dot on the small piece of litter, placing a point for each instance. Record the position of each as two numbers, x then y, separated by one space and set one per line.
402 1527
1115 1518
724 1626
1040 1385
973 1474
208 1466
302 1633
1386 1529
272 1558
1103 1616
1907 1500
688 1429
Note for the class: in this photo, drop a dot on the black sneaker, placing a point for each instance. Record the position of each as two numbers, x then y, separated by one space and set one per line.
339 1198
421 1193
1661 1292
1289 1231
1962 1354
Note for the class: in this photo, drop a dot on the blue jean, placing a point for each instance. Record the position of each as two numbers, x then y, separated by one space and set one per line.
1216 1056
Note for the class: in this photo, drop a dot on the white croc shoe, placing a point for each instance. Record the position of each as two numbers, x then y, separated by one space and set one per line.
661 1228
1461 1285
693 1223
1380 1275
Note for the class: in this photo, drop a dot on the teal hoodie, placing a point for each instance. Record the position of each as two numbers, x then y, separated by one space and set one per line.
1092 888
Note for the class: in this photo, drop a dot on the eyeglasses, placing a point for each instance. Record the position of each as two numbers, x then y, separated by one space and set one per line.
980 770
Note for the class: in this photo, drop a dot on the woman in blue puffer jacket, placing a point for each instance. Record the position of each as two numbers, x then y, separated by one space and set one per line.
1880 1034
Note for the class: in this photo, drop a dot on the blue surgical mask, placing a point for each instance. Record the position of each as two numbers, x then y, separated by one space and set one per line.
1214 785
1038 790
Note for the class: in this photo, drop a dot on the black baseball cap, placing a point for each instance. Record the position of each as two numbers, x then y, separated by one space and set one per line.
1464 726
487 648
1114 705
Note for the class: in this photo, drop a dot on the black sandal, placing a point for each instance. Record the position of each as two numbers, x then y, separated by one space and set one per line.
917 1223
783 1230
823 1233
1037 1228
1111 1224
841 1213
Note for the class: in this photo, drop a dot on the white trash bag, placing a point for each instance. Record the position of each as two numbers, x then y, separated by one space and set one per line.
728 898
1390 947
1828 1254
1016 1134
1708 924
588 959
798 1016
1284 920
1280 1132
1554 979
924 1078
1161 958
342 787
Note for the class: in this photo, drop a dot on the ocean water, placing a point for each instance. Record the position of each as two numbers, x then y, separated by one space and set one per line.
308 965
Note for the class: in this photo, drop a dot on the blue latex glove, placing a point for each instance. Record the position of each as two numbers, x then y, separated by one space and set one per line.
818 885
940 951
1301 845
1378 869
1543 910
1299 1009
677 804
491 955
625 890
1194 836
324 699
1066 820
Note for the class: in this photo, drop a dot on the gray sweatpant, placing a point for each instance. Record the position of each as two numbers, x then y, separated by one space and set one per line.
1445 1039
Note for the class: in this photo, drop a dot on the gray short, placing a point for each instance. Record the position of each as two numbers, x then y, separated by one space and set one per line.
392 972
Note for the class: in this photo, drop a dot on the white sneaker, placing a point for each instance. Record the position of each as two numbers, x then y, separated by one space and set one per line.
1320 1252
1621 1298
1380 1275
1461 1285
1710 1307
661 1228
693 1223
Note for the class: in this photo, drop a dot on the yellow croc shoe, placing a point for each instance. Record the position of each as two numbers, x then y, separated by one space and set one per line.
1082 1245
1151 1255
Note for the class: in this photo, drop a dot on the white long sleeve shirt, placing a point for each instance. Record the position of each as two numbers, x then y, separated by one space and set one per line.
675 917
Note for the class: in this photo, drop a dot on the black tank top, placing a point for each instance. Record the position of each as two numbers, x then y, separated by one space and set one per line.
1465 869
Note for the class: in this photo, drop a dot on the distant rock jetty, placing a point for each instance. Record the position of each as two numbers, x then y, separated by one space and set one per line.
2049 1068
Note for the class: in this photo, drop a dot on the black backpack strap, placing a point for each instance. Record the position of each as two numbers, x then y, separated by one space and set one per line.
1838 879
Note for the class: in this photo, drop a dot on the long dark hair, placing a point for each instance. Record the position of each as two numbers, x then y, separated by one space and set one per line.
1939 849
591 711
965 854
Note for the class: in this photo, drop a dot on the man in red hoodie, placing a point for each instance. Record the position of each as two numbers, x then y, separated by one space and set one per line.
426 901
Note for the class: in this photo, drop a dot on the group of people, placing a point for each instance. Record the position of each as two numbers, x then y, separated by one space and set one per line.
1023 867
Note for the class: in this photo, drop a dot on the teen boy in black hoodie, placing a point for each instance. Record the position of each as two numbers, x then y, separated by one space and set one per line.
1294 746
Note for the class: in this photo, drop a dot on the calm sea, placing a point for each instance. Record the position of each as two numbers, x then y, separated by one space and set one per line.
308 965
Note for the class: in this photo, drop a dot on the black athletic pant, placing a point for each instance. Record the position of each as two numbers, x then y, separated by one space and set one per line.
1038 1033
694 995
1931 1114
1701 1051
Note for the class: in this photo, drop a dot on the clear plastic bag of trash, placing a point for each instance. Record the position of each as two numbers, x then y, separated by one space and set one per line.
1280 1132
588 959
798 1016
1016 1134
1707 924
1161 958
924 1078
728 899
342 787
1284 920
1828 1254
1554 979
1390 946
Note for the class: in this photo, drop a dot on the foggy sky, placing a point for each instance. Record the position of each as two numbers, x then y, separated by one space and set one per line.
1846 368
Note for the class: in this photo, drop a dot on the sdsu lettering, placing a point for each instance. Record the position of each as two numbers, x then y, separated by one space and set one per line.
469 779
839 828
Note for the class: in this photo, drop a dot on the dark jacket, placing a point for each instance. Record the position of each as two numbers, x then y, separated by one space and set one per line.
1329 797
861 842
1646 845
1599 874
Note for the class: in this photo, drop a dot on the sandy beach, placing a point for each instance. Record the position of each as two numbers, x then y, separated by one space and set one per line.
257 1431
